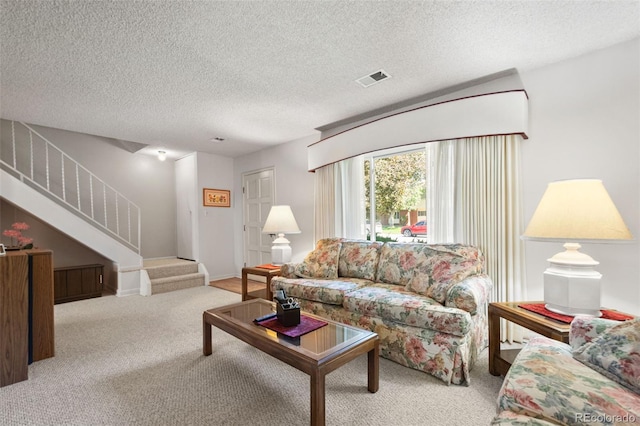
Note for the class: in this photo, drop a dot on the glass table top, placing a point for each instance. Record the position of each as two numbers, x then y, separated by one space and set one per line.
327 338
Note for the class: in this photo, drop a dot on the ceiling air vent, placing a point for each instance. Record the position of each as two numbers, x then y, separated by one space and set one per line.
371 79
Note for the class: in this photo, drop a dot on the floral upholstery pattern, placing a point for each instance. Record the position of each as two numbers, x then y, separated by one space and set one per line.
394 303
324 291
440 337
427 268
585 328
545 382
288 270
397 262
359 259
445 356
440 267
616 354
470 294
513 419
321 262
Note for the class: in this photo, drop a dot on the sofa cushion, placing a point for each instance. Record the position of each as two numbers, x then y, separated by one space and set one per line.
440 265
393 303
397 262
616 354
546 382
358 259
318 290
585 328
322 262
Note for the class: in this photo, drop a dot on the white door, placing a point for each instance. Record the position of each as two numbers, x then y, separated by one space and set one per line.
186 207
258 196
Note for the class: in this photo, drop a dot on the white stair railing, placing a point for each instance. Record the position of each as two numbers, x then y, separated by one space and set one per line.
39 163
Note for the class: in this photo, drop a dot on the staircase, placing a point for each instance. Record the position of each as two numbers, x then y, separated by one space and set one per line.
39 178
164 275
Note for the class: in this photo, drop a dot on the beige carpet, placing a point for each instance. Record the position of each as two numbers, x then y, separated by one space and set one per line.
138 361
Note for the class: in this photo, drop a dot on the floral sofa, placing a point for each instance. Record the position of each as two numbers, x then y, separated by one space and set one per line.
594 380
427 303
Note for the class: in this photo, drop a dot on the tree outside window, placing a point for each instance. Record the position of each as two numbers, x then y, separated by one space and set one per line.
400 188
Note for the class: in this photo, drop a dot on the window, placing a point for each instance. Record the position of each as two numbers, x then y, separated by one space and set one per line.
395 193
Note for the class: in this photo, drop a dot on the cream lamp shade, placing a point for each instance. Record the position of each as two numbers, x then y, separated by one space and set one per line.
572 211
280 221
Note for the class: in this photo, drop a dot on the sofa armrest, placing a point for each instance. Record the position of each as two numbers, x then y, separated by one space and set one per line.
288 270
470 294
585 328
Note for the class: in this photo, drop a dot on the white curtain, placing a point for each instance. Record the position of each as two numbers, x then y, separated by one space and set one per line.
491 209
325 203
350 203
441 191
482 176
339 200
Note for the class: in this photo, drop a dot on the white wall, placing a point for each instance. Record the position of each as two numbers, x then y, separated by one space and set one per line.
585 122
294 186
145 180
216 224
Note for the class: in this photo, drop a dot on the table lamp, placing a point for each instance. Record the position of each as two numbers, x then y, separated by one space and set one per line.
572 211
279 222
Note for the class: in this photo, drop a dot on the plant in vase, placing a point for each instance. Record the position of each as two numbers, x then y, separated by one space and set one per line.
18 241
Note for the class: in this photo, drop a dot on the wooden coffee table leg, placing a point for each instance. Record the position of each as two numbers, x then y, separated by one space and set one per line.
317 399
206 336
373 368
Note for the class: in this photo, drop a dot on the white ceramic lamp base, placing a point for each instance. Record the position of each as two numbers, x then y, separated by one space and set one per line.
280 251
571 285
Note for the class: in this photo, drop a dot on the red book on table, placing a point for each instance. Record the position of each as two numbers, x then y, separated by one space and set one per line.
268 266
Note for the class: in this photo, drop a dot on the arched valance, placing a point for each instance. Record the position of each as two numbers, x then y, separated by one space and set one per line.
500 113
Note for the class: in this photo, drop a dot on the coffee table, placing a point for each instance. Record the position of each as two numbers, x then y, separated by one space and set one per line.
317 353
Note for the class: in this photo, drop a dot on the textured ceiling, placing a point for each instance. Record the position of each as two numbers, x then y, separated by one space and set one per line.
175 74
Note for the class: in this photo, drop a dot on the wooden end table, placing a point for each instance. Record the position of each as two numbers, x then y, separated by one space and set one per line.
500 360
267 273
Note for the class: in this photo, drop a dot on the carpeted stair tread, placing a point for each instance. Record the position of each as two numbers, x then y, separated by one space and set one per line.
163 285
184 277
156 272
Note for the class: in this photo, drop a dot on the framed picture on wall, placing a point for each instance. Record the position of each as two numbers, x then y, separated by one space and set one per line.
216 197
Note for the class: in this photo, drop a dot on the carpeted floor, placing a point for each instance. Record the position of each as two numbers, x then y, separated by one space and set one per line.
138 361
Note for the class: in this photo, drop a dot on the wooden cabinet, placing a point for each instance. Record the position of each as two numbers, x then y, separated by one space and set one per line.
14 311
78 282
26 312
41 326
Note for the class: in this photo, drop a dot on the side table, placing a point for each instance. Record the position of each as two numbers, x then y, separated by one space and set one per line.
500 360
263 272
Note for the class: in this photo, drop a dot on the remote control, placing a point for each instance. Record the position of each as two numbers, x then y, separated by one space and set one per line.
265 317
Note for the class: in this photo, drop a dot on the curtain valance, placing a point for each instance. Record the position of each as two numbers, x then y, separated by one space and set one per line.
497 113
